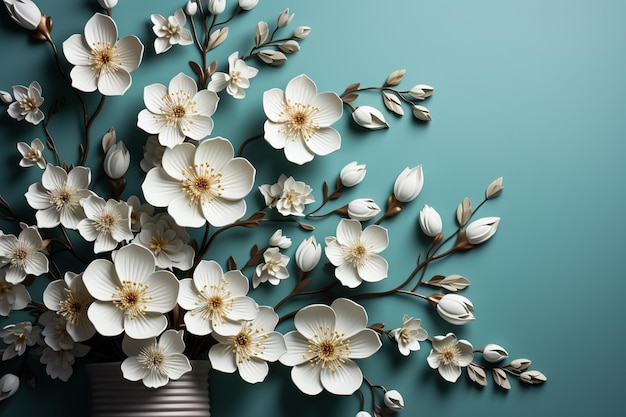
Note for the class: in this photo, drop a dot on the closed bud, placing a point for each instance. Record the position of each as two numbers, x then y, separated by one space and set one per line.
116 161
430 221
277 239
363 414
289 47
9 384
455 309
393 400
24 12
421 91
217 6
409 184
109 139
421 113
352 174
261 32
369 118
494 353
6 97
532 377
191 8
479 231
107 4
520 364
363 209
308 254
494 189
271 57
301 32
248 4
284 18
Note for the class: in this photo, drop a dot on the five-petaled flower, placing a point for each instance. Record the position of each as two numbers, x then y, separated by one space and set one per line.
22 254
449 355
170 31
27 103
237 78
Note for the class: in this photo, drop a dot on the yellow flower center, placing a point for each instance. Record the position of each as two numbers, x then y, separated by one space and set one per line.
202 183
178 110
328 349
33 155
60 198
72 308
104 57
356 254
300 120
214 303
105 222
28 104
171 30
131 298
5 287
449 354
246 343
151 358
157 243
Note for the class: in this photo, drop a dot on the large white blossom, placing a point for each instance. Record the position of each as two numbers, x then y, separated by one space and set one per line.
27 103
449 355
13 296
155 362
354 253
17 337
22 254
170 31
203 184
273 268
100 60
323 345
237 78
215 301
251 348
106 223
130 295
69 298
177 111
299 120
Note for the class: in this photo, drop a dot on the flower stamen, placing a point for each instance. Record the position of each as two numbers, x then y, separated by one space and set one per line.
131 298
300 120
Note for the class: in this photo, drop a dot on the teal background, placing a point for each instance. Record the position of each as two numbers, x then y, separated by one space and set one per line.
529 90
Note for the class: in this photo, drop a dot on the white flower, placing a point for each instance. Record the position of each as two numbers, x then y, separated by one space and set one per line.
13 296
355 253
57 197
249 350
170 31
107 4
323 346
409 335
199 185
295 195
308 254
17 337
70 299
237 78
273 269
430 221
27 103
138 210
448 355
217 6
24 12
369 118
155 363
101 61
494 353
167 241
152 153
9 384
271 193
32 154
215 301
116 160
352 174
277 239
55 332
107 223
22 253
409 184
59 362
130 295
248 4
455 309
363 209
393 400
299 120
177 111
481 230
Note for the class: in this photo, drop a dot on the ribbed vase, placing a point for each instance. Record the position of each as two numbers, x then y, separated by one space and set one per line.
114 396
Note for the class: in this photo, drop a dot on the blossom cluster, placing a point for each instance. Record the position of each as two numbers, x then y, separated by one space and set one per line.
149 280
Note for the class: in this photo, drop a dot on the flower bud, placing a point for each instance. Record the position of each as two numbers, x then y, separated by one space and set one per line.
430 221
369 118
248 4
284 18
277 239
455 309
393 400
109 139
521 364
363 414
6 97
301 32
421 113
272 57
9 385
289 47
363 209
308 254
117 160
217 6
24 12
191 8
481 230
494 353
107 4
409 184
352 174
421 91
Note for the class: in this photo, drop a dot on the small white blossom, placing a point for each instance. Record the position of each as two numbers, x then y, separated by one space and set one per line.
59 362
271 193
277 239
170 31
295 195
449 355
17 337
13 295
22 254
27 103
55 332
237 78
409 335
32 154
273 269
308 254
155 362
107 223
352 174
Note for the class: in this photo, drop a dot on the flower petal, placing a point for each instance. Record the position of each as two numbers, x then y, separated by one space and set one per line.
312 318
348 275
134 263
199 127
301 89
364 344
351 317
177 365
106 318
273 104
375 238
221 212
143 326
185 214
297 349
217 152
324 141
342 380
159 188
222 358
187 294
184 84
130 52
307 378
101 279
297 152
178 160
114 83
373 269
153 98
274 135
450 372
76 50
253 370
206 102
330 109
237 178
162 291
274 347
100 29
348 232
84 78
